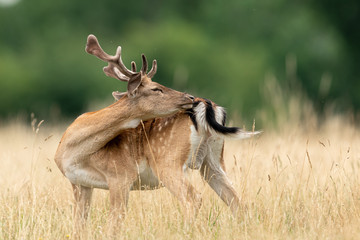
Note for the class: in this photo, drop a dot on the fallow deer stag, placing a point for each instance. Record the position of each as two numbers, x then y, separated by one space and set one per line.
85 155
110 149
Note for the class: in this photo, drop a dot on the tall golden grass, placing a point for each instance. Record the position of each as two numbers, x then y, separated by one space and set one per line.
298 180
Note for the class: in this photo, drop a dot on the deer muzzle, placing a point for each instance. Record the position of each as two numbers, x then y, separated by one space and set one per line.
189 101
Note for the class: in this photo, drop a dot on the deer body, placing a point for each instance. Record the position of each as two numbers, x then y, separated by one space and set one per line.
147 139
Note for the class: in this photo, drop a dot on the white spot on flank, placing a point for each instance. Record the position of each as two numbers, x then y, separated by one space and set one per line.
160 127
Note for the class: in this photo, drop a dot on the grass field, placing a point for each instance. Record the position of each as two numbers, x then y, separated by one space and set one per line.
298 182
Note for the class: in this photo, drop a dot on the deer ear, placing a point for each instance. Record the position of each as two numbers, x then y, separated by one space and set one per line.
133 84
117 95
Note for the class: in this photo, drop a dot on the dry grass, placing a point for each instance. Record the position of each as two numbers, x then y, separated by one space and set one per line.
296 183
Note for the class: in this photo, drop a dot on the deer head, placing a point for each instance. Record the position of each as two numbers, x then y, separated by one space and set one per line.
151 98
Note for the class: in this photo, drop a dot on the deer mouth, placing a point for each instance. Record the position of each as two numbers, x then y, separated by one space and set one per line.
187 105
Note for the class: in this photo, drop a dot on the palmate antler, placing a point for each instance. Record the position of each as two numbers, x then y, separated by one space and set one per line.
116 67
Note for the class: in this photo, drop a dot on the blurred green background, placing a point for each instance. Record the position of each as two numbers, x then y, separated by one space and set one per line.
222 50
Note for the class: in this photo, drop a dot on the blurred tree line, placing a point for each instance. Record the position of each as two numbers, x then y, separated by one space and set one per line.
222 50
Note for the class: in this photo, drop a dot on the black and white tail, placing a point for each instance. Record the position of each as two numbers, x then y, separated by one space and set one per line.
207 116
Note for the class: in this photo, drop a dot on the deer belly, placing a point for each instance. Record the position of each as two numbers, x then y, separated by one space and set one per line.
146 178
87 177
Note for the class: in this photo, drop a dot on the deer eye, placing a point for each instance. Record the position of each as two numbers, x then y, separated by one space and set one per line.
157 90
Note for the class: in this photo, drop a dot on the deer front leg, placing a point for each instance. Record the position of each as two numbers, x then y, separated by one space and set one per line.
119 187
176 183
219 182
82 197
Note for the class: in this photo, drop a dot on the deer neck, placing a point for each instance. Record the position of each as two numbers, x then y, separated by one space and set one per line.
92 131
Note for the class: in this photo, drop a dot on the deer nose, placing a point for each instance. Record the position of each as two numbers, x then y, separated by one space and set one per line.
192 98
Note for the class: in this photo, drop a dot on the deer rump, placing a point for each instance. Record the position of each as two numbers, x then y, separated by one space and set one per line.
205 123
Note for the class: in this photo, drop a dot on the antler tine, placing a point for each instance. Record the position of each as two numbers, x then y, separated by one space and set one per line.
153 69
133 66
144 64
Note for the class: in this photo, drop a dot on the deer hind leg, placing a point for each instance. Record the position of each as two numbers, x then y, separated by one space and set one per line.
219 182
82 197
213 173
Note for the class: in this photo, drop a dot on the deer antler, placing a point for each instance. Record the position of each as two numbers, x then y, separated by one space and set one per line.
116 67
152 71
115 62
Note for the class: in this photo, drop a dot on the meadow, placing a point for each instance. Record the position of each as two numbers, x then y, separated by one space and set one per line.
299 180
